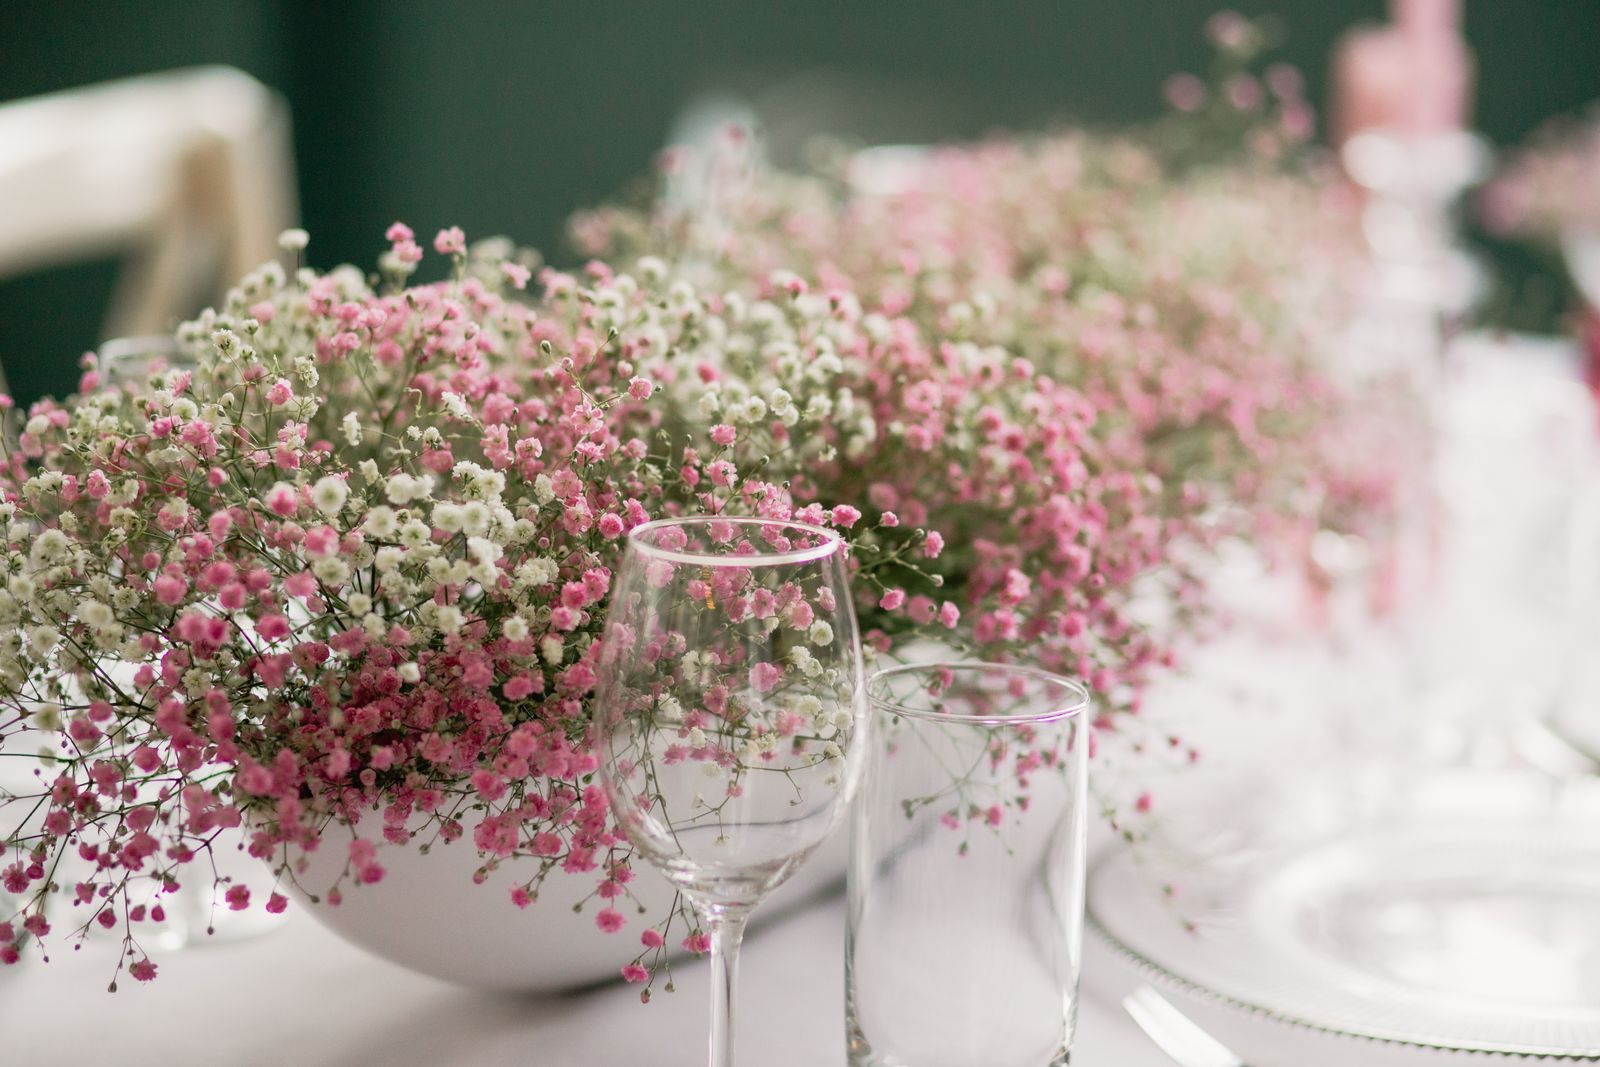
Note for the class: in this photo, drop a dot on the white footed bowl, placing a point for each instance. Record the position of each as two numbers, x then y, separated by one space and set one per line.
428 916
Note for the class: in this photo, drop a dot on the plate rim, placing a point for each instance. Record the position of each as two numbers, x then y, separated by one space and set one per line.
1158 973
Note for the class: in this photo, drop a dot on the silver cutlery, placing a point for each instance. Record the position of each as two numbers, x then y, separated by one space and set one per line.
1175 1033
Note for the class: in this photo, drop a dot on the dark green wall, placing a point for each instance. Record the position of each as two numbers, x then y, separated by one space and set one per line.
503 117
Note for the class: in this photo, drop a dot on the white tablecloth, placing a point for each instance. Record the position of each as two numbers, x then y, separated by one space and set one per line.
301 996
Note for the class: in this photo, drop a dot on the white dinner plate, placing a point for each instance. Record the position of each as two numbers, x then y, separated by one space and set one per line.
1466 931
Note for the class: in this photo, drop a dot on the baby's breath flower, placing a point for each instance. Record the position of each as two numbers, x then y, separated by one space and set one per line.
329 494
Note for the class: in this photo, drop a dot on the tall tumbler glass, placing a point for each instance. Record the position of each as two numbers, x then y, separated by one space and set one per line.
967 869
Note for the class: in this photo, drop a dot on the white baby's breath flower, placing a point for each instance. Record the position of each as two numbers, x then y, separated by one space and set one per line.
47 717
456 405
751 409
515 628
820 633
42 639
49 548
652 270
544 488
358 603
481 548
551 648
331 570
380 522
414 533
329 494
447 517
400 488
294 240
351 427
475 516
410 672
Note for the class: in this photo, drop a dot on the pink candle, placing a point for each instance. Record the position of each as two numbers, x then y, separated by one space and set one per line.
1411 76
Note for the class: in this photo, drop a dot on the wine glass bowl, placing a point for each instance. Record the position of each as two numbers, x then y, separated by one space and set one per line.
729 707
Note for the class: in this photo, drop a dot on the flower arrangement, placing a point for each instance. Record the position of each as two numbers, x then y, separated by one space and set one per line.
354 555
1547 189
1206 359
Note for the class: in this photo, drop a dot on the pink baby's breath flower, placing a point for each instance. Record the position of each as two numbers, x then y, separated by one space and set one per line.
1184 92
516 274
933 545
280 393
1243 92
397 232
892 599
450 241
609 920
170 590
845 515
723 434
635 973
763 676
282 500
640 388
1228 30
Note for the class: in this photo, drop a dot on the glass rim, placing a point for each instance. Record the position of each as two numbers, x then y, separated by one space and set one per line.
1075 702
832 543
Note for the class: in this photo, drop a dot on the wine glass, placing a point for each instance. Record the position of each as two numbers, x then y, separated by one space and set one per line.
729 713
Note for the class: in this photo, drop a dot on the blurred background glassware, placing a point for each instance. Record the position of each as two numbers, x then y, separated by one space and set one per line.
729 713
133 361
1495 634
967 869
1414 183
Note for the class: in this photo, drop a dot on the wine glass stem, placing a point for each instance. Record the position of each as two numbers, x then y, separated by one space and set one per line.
727 931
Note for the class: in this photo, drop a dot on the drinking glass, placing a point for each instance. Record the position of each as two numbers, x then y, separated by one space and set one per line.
133 361
729 714
967 869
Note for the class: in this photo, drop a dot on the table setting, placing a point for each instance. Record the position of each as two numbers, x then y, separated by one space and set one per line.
1072 597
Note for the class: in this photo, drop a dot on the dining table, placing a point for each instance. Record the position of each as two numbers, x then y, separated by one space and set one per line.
299 995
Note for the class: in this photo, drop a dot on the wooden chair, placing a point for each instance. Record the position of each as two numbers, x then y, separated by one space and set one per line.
188 175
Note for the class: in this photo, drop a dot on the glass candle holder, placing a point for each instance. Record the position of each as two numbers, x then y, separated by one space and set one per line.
967 869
